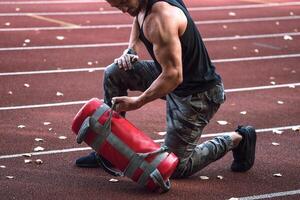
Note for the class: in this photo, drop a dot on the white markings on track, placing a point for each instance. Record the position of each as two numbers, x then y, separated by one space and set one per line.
119 44
103 68
83 102
50 2
191 9
44 105
271 195
157 141
256 58
119 26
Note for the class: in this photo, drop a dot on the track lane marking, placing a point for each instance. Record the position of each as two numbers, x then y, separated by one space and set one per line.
157 141
47 19
119 26
74 70
270 195
191 9
84 101
50 2
120 44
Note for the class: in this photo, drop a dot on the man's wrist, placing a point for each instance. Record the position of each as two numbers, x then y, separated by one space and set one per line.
129 51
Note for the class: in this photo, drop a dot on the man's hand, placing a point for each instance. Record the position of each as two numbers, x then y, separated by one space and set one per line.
126 60
124 103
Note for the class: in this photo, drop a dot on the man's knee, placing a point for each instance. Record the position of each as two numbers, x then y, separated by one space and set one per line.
111 71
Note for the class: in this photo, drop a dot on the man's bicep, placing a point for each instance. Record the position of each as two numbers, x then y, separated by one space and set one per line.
168 53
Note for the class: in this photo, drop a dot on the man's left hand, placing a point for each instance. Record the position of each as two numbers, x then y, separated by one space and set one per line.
124 103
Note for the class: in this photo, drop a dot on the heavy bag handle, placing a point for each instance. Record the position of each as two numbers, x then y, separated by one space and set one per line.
86 124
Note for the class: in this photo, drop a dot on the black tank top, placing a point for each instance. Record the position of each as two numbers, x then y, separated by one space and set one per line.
198 72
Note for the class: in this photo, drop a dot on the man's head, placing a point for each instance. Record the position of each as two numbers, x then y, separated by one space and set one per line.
132 7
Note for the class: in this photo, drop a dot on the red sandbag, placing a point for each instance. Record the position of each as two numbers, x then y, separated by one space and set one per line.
127 148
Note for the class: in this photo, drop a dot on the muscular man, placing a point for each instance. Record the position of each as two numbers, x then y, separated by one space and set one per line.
182 72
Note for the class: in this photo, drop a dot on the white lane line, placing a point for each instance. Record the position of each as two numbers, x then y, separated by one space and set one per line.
50 2
119 26
83 102
256 58
157 141
103 68
271 195
191 9
120 44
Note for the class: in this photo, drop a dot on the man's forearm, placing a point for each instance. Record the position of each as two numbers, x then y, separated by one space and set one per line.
134 36
162 86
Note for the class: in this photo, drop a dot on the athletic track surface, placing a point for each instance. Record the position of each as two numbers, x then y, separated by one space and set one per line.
52 57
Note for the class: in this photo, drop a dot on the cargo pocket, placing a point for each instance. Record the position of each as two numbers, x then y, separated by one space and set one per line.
217 94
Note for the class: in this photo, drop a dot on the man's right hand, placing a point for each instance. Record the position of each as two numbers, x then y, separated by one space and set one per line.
126 60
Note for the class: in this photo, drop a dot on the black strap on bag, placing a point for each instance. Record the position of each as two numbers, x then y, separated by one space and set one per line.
137 160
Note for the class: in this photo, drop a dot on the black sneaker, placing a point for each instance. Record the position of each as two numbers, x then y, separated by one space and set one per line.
90 161
244 153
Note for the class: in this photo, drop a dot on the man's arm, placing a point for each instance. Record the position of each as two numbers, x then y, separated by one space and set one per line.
129 56
134 39
162 29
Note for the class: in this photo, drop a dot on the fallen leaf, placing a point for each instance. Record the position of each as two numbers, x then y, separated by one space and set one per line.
232 14
21 126
27 161
279 132
292 86
2 166
221 122
59 94
277 175
204 177
296 128
113 180
10 177
38 161
162 133
38 148
275 144
28 155
60 37
280 102
26 85
39 140
287 37
62 137
220 177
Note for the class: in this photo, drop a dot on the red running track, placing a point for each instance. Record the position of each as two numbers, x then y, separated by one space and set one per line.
260 72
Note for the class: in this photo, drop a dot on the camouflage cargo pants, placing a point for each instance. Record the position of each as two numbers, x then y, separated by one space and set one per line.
186 116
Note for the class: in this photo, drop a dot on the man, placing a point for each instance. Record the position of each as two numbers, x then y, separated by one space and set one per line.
182 72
